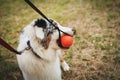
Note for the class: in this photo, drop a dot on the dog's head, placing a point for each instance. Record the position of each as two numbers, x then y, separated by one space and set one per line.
49 34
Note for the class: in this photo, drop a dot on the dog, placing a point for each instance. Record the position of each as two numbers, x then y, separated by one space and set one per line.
41 50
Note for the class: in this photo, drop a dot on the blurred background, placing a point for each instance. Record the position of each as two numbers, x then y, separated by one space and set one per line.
95 54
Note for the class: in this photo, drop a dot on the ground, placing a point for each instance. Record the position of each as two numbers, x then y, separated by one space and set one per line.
95 54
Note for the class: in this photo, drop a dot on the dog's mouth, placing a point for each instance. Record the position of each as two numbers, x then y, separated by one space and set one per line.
69 40
59 43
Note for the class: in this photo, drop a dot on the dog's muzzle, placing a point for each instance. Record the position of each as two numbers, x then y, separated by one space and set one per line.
49 30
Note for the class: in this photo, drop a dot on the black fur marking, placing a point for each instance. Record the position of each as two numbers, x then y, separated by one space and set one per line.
41 23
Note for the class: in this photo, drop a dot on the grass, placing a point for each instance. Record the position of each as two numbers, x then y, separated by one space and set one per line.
95 54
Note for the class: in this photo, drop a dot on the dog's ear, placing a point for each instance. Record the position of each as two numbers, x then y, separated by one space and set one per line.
41 23
41 32
46 41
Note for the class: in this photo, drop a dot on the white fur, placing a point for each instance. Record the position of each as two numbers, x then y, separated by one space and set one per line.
34 68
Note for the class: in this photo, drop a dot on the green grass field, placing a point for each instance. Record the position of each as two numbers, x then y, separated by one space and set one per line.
95 54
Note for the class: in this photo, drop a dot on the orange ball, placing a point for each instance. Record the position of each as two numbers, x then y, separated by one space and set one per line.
66 41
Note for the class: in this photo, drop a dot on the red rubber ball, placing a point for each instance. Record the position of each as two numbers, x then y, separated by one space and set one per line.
66 41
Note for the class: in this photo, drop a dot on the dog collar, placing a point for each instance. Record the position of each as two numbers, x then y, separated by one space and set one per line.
29 47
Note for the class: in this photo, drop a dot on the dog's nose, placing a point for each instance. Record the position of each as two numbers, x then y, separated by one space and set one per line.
74 31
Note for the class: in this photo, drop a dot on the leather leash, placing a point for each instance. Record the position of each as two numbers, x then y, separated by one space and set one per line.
6 45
